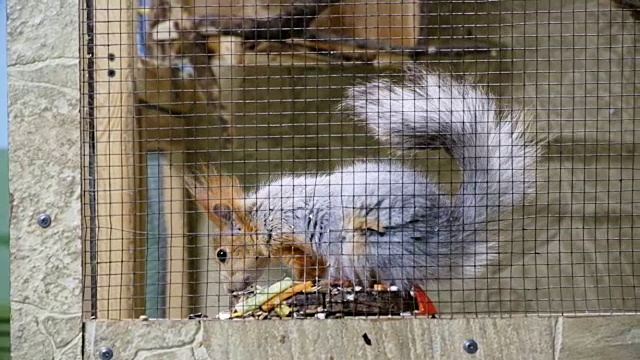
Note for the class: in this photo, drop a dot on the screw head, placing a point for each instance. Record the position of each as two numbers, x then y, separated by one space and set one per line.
44 220
106 353
470 346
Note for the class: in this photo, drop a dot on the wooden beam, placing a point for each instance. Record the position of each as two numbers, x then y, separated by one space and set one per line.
115 159
178 282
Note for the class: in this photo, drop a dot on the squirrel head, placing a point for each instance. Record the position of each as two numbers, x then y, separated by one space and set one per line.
237 245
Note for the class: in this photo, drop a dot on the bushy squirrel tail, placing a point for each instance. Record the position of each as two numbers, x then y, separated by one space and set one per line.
431 110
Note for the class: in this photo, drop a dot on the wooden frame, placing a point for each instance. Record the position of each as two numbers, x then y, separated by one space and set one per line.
178 284
120 164
117 161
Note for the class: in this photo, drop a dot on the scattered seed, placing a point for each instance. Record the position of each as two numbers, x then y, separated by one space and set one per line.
379 287
225 315
297 315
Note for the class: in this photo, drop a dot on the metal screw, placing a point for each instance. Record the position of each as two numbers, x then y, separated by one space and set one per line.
106 353
44 220
470 346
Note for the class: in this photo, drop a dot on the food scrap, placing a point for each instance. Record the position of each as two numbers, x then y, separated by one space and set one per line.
287 293
425 305
379 287
298 300
260 297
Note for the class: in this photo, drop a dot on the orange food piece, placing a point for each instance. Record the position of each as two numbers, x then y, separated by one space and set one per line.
379 287
289 292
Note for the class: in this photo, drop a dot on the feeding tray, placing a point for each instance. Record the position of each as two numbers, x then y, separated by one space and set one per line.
340 302
288 299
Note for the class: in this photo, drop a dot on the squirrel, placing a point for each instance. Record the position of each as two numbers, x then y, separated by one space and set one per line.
380 221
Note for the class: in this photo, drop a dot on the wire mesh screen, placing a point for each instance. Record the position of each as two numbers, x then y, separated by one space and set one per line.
326 158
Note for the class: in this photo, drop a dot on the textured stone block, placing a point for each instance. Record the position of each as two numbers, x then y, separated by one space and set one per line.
599 337
45 176
524 338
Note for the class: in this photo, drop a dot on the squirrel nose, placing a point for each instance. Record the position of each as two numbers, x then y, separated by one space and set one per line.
240 285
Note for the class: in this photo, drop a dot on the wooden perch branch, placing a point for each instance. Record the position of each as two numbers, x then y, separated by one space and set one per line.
410 51
369 50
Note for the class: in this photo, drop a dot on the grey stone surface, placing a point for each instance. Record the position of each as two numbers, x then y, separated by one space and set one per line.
45 165
391 339
144 339
614 337
42 31
323 339
560 338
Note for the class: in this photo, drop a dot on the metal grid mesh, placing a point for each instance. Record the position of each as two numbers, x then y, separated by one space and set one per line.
250 90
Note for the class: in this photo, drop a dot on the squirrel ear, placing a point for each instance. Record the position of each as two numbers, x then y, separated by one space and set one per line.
221 196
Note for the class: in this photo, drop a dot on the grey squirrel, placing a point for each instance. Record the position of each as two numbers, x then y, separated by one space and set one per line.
380 221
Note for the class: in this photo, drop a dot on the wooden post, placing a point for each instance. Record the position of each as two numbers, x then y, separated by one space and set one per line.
178 284
116 153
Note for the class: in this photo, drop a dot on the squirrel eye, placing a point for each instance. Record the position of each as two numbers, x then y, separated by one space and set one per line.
222 255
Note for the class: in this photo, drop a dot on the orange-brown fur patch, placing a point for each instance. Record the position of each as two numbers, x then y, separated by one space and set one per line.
212 189
359 226
303 261
363 223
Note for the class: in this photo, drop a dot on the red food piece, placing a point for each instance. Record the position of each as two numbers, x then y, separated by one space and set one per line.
425 305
